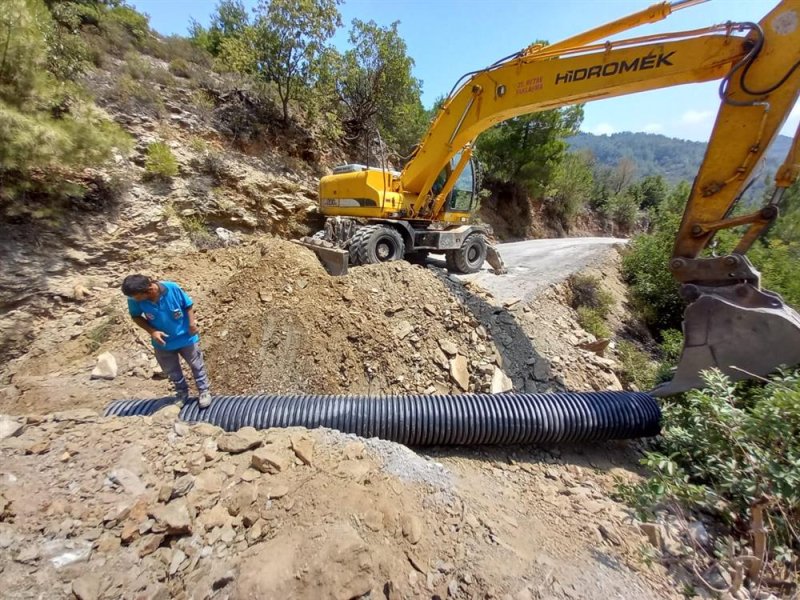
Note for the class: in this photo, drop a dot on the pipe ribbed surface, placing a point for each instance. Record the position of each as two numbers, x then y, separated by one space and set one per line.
428 420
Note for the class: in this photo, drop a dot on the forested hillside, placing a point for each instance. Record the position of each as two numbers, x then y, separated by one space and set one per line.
652 154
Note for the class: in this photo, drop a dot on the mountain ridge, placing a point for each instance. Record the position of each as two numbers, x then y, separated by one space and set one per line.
673 158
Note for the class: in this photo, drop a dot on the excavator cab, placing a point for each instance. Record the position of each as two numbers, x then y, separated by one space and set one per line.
462 200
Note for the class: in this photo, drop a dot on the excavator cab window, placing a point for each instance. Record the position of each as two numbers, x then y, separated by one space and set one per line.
462 197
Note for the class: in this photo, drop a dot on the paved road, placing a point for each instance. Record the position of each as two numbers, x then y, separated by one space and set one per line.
533 265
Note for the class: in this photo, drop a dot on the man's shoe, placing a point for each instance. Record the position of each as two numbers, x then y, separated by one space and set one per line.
181 398
205 399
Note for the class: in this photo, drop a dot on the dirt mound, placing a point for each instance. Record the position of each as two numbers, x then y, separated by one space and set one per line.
148 507
284 325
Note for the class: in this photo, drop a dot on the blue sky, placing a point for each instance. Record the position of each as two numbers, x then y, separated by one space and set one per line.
449 37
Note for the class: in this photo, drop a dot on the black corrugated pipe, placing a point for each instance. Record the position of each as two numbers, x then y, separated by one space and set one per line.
428 420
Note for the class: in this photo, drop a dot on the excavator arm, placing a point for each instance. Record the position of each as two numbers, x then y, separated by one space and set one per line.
730 322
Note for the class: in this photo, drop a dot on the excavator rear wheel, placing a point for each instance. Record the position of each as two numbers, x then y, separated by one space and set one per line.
374 244
470 257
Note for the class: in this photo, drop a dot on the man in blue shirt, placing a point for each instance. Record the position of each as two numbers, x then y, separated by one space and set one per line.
166 312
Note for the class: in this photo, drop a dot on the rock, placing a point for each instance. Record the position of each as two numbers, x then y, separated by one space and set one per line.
226 236
63 553
9 427
303 448
80 293
412 528
243 496
196 463
210 449
277 490
448 347
430 310
174 517
245 439
106 367
354 450
459 372
150 544
402 328
440 358
610 534
216 516
177 559
127 480
165 492
699 534
181 487
500 382
374 520
267 460
654 533
597 346
227 534
210 480
86 587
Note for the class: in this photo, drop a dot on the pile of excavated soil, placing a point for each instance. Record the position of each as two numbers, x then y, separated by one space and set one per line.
152 508
282 324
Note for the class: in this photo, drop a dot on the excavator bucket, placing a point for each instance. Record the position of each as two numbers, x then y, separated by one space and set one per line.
334 259
740 330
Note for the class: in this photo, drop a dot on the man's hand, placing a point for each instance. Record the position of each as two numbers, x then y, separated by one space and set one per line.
159 336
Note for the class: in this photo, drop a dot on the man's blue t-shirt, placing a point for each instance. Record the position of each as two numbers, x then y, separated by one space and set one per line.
167 314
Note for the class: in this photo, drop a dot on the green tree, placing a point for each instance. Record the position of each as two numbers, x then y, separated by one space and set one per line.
229 22
376 86
653 291
45 123
290 36
570 187
526 150
651 191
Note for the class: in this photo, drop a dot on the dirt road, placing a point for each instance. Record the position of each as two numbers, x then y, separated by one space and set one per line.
534 265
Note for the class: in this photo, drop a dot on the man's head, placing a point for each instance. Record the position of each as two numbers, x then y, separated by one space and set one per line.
140 287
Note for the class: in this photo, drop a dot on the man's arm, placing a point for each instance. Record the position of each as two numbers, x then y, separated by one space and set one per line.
193 328
158 336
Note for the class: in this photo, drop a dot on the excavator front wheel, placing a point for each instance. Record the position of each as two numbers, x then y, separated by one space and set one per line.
374 244
470 257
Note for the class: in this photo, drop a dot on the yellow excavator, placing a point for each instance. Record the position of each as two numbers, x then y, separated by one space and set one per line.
376 214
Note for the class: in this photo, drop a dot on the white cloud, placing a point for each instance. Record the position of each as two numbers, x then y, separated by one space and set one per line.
653 128
692 117
602 129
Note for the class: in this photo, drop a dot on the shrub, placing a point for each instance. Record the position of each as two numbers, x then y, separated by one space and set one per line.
135 23
180 68
624 210
163 77
160 162
592 320
586 291
137 67
725 451
637 368
645 266
592 304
